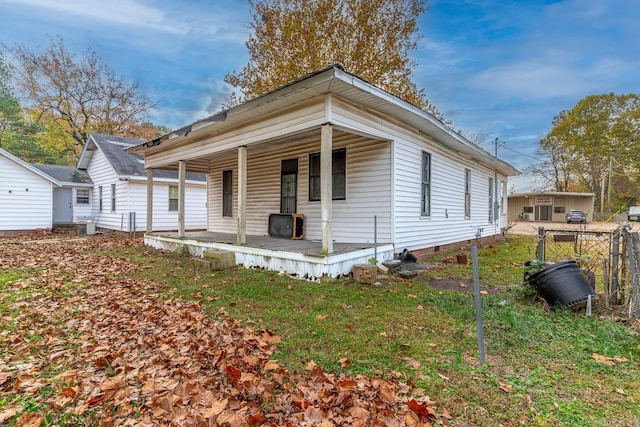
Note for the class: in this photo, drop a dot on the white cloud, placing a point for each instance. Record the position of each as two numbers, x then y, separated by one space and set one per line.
536 79
120 12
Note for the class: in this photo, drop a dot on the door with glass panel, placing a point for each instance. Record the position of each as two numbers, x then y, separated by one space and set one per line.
289 186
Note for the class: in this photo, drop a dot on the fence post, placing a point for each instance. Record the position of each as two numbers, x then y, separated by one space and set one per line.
541 244
635 250
375 238
615 259
478 302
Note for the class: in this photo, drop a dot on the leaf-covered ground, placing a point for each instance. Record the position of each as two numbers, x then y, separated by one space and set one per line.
80 345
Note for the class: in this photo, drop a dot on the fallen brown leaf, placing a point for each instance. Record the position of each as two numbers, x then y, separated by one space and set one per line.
119 340
506 387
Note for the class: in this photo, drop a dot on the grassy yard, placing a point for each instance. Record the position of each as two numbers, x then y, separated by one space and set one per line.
543 367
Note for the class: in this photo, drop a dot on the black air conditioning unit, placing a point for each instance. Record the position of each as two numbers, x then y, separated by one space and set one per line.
286 226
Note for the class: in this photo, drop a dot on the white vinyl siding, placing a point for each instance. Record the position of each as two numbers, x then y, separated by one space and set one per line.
163 219
26 199
82 211
131 200
103 175
368 189
447 223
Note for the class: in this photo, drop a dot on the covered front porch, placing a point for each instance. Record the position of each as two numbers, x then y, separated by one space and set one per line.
299 258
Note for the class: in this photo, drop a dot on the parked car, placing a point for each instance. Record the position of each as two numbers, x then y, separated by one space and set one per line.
633 214
576 216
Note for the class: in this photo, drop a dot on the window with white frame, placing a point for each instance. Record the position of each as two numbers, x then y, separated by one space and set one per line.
490 199
100 198
82 196
467 193
338 175
425 202
113 197
227 193
173 198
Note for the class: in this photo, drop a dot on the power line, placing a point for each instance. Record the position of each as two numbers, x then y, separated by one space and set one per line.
518 152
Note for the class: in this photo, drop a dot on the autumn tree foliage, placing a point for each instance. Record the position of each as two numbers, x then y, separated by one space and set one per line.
10 110
79 94
18 134
372 39
593 146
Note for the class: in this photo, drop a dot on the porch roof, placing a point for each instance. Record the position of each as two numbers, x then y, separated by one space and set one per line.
332 80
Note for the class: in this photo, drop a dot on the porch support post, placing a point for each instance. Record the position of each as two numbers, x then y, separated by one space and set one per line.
182 173
149 200
242 195
326 187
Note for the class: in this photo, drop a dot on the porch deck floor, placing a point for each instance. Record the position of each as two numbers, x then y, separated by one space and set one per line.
307 247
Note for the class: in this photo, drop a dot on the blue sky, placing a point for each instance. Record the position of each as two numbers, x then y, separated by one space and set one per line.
502 68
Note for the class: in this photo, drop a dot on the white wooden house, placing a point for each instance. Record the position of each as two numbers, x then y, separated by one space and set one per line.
72 199
34 196
371 174
119 195
26 195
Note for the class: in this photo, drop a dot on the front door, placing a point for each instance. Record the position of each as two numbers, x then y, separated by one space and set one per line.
62 205
289 186
544 213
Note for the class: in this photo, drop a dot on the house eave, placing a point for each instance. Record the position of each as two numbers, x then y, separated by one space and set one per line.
143 179
552 193
76 184
336 81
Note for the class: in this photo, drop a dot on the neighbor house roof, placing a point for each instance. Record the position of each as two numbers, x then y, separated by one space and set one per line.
552 193
332 80
126 165
30 167
66 175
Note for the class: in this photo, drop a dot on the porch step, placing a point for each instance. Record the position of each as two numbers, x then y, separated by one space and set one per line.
216 260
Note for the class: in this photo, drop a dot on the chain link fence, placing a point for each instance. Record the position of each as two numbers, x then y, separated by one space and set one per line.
609 259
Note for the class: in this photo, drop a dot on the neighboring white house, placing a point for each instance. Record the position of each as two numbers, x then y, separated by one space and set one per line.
26 195
72 200
340 151
119 196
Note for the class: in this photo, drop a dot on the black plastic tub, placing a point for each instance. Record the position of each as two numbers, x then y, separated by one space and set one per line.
562 285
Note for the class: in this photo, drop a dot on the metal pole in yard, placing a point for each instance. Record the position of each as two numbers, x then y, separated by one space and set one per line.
476 289
496 204
632 267
606 280
375 238
615 259
541 238
636 255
